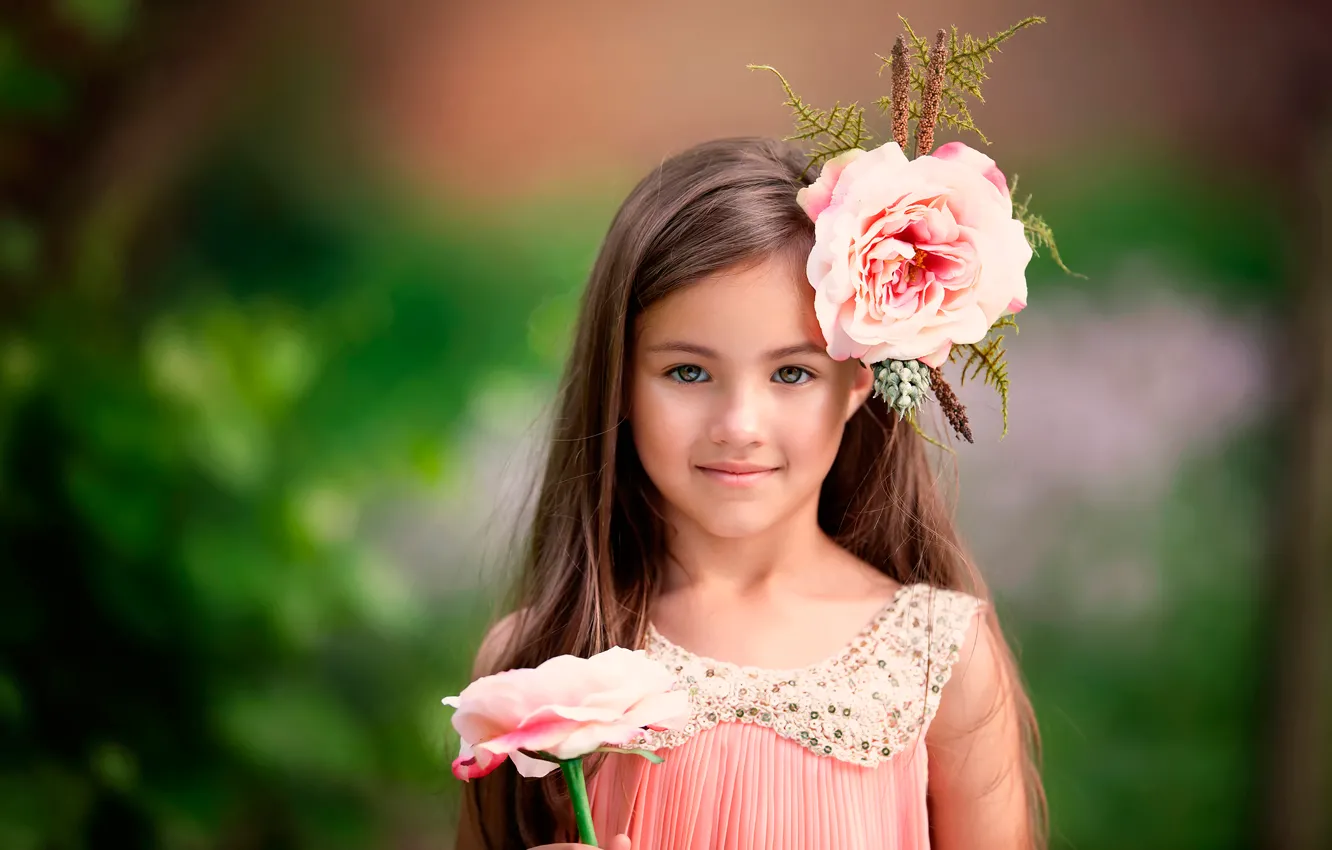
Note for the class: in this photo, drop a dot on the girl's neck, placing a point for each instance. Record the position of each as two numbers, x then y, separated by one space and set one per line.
780 555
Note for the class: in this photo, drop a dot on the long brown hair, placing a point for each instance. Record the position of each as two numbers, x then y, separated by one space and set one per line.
594 555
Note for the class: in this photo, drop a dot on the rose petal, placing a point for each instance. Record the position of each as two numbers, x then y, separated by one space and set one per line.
817 197
974 158
661 711
939 356
471 764
531 768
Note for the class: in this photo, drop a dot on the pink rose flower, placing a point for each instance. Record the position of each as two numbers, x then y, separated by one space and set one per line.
913 256
564 708
816 198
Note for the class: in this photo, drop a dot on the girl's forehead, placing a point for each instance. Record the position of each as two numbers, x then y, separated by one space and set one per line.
757 304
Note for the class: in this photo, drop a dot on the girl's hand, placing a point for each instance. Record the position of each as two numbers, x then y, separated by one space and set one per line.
619 842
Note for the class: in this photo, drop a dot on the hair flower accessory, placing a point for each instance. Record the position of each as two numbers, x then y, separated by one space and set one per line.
917 261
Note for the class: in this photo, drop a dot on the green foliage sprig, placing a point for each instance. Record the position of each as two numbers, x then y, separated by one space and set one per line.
831 132
985 359
1039 235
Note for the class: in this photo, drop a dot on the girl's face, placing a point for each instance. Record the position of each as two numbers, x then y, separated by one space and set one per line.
736 409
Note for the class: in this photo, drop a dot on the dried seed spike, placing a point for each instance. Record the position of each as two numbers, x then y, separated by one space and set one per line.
932 96
948 403
901 92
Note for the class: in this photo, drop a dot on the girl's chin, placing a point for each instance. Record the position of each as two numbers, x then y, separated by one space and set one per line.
736 521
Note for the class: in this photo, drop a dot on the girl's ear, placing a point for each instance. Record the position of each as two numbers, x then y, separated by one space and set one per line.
862 386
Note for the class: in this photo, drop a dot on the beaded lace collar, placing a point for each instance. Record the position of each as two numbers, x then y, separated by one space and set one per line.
863 705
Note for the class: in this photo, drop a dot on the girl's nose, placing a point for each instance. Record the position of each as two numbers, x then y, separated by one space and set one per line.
739 417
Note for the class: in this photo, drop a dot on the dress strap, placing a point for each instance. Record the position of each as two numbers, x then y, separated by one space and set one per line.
925 632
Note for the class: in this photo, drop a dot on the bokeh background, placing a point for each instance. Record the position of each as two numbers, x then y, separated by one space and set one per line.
285 288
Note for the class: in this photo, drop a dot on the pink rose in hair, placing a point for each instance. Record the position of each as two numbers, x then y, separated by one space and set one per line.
564 709
913 256
959 152
816 198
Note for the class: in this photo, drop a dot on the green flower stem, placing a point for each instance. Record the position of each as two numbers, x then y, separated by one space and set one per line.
573 776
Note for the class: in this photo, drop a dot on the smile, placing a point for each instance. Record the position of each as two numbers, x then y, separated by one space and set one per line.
737 475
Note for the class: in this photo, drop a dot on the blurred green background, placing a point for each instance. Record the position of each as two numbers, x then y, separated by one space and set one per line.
286 289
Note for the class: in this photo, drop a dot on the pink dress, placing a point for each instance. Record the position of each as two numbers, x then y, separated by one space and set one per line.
827 757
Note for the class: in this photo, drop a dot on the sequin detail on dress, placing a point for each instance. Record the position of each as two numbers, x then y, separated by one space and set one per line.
863 706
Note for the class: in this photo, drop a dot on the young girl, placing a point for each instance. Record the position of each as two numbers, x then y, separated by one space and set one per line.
725 495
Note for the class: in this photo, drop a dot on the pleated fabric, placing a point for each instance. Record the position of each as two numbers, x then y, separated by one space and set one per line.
740 786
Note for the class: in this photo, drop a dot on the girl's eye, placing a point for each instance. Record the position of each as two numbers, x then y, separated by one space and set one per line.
688 373
792 375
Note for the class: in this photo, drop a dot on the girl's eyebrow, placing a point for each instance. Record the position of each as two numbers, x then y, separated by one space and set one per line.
672 345
794 350
703 351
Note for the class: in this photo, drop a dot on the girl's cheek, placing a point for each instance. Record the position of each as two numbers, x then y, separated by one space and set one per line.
663 420
814 438
816 417
658 401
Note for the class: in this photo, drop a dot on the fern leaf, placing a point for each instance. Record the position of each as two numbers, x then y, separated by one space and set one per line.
966 62
919 46
1038 233
962 120
985 359
831 132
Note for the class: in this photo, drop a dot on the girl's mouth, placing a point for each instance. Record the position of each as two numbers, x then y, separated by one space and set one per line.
737 474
